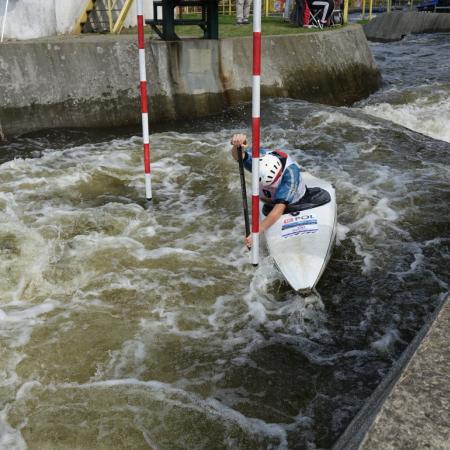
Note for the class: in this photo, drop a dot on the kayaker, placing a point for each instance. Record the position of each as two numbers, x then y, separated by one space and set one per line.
280 180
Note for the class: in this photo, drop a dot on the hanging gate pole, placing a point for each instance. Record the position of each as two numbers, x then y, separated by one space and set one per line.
256 125
144 106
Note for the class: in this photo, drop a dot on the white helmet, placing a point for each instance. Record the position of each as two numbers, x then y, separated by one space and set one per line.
270 168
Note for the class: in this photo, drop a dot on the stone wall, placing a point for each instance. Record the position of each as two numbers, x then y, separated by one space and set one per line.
93 80
31 19
396 25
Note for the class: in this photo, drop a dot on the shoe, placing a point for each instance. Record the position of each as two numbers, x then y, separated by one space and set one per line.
245 22
239 22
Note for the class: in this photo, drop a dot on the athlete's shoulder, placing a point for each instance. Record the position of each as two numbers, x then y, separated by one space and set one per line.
292 173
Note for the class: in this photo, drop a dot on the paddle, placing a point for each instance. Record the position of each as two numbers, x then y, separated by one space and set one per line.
244 191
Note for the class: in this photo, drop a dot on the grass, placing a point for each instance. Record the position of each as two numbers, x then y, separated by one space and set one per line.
272 25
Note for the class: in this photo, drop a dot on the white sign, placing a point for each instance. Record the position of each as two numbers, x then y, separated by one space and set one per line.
293 225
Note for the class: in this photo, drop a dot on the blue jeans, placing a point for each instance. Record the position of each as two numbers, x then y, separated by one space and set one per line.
287 9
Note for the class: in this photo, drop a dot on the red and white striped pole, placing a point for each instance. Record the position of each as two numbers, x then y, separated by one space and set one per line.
256 125
144 106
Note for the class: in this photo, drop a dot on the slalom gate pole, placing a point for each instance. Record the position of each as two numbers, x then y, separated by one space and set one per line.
4 20
144 105
256 126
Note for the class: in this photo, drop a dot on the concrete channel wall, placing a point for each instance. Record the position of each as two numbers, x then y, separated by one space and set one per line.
394 26
410 409
92 80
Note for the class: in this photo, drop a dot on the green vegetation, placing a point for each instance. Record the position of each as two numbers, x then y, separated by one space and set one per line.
271 25
228 28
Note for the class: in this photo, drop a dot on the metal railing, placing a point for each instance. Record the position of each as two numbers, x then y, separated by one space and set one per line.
228 7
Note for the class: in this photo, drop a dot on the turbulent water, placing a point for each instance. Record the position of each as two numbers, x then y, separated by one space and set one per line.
127 326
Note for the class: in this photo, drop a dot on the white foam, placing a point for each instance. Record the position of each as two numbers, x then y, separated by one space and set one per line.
24 267
162 252
126 362
428 113
386 342
26 388
10 438
29 313
174 397
368 258
337 118
8 374
19 322
341 233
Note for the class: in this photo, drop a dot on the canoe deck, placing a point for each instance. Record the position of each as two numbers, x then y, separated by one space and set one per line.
301 242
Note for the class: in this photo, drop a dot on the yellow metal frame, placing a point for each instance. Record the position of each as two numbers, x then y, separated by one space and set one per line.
84 17
114 26
345 12
117 28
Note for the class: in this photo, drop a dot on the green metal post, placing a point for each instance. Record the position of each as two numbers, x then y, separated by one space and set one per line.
168 21
212 19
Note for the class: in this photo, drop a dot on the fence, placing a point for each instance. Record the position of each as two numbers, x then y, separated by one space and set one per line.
228 7
276 7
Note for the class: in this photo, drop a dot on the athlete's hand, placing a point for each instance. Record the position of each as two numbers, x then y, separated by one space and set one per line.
239 140
248 241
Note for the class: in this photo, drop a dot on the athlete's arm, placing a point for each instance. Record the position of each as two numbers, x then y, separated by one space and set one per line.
272 217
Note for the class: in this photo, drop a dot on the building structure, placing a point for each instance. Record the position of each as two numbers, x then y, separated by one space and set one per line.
31 19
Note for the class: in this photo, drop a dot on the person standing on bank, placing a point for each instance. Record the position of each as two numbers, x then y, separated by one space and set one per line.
280 180
243 11
287 11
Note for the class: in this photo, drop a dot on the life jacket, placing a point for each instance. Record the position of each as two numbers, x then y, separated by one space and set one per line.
267 193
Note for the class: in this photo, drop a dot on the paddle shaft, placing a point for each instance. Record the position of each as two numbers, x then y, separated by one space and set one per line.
243 190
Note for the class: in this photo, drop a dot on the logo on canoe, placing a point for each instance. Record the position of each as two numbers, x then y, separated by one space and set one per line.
305 224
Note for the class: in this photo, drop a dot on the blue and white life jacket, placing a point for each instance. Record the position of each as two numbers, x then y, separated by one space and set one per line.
289 183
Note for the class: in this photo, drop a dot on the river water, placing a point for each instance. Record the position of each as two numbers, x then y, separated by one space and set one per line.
124 326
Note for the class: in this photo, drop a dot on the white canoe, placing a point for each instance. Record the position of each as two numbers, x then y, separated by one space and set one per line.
301 242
